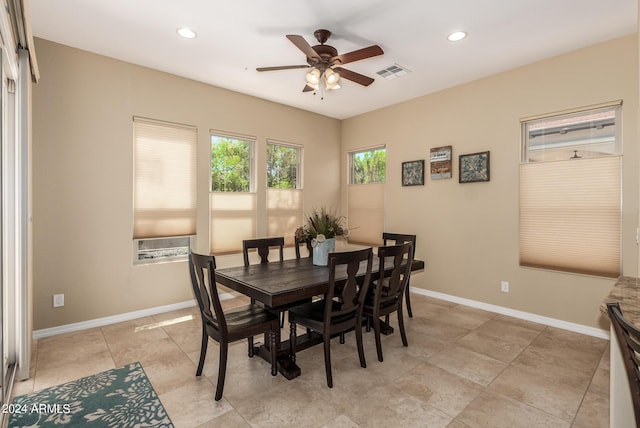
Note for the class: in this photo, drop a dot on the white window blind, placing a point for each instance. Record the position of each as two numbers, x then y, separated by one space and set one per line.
284 212
570 215
233 219
164 179
366 213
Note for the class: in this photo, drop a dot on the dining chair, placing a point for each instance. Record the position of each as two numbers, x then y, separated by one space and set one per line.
628 337
302 243
226 327
401 238
263 246
385 294
341 308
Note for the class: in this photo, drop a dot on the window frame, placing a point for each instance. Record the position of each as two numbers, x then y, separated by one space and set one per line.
160 258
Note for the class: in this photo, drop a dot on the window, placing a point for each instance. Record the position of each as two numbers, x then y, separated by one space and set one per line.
368 166
570 192
366 195
163 248
164 184
231 164
233 206
283 166
284 193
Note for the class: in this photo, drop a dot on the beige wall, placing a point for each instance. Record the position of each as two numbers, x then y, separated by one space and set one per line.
468 233
82 176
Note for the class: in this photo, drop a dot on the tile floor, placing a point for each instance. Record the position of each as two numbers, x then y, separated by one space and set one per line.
464 367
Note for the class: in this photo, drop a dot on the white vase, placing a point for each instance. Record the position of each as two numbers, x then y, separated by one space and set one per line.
321 251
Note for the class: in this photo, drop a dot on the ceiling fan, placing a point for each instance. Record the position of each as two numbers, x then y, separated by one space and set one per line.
325 62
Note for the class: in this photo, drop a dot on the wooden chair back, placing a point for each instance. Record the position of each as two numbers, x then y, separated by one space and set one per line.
263 246
628 337
306 244
389 238
392 285
202 269
347 297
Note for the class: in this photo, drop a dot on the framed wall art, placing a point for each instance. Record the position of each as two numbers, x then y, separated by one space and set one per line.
474 167
413 173
440 162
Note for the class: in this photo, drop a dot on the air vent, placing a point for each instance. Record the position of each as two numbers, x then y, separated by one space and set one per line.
393 72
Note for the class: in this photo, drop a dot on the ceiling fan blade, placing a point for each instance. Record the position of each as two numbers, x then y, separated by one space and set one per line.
354 77
281 67
307 88
302 44
363 53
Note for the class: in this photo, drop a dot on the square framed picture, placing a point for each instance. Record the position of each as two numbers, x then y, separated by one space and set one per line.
413 173
474 167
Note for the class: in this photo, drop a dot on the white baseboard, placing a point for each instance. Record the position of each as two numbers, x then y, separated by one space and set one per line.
99 322
552 322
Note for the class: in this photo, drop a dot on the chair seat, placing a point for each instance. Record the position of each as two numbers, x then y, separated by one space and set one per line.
250 315
314 311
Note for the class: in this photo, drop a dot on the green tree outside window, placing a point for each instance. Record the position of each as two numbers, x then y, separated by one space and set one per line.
230 165
282 166
369 166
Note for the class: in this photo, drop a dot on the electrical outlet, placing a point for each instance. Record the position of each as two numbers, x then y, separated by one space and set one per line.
504 286
58 300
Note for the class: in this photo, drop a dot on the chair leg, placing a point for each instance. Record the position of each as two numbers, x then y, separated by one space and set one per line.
274 353
292 340
342 338
222 369
203 352
368 323
403 334
376 329
358 329
408 300
327 359
250 340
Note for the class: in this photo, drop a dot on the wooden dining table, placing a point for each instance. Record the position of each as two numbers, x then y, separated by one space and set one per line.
280 285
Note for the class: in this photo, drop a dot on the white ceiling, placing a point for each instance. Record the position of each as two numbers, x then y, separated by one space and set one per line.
235 37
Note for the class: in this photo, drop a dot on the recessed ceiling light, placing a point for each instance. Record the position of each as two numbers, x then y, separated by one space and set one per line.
187 33
456 36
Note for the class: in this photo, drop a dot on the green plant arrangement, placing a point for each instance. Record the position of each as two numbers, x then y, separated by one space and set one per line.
322 224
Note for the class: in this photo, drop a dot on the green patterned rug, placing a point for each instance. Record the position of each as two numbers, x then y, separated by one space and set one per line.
121 397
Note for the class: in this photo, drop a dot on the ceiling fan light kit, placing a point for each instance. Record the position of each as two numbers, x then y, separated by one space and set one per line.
325 61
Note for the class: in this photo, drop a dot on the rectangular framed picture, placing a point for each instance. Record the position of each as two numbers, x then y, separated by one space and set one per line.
413 173
440 163
474 167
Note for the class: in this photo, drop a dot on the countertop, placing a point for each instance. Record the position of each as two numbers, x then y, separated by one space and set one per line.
625 291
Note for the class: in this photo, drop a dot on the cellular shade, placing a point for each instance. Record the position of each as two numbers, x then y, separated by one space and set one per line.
570 215
366 213
233 219
284 212
164 179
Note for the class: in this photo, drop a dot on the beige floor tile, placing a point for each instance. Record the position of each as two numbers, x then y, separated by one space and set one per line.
594 412
168 375
471 365
438 327
161 350
287 406
439 388
497 411
498 348
93 364
193 404
388 406
231 419
542 392
341 421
